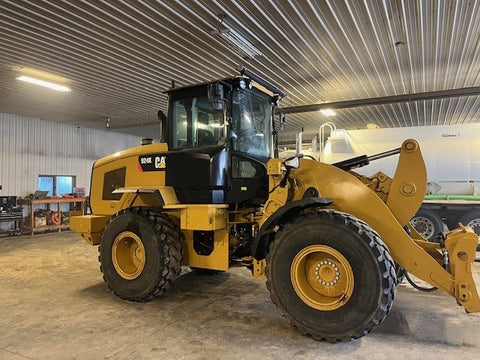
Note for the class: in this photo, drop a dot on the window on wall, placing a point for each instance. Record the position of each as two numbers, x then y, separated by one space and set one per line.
56 185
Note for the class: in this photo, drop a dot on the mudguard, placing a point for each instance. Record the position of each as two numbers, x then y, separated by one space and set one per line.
283 214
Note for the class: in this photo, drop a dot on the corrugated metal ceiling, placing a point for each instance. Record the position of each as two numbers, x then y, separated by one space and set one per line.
118 57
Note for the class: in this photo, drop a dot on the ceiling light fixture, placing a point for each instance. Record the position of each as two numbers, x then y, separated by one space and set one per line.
234 41
44 83
328 112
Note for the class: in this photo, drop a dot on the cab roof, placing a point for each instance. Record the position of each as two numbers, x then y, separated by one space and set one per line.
244 74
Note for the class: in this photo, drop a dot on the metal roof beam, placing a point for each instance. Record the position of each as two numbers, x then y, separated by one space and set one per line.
383 100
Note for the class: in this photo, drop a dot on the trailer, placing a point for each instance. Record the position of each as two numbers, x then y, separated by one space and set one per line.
452 158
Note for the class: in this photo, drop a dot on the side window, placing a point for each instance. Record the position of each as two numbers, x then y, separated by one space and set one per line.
195 123
113 180
244 168
209 128
179 123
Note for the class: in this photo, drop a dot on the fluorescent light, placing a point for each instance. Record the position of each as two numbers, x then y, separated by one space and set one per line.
241 45
328 112
44 83
234 40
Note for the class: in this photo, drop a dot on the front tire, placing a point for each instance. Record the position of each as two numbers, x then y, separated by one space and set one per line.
140 254
331 276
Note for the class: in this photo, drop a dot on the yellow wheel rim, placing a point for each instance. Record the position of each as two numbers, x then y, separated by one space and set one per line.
322 277
128 255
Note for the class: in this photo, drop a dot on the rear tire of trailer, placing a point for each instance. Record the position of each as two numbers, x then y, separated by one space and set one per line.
331 276
427 223
140 254
472 219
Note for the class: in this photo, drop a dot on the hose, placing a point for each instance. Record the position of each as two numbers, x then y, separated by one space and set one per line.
416 286
55 219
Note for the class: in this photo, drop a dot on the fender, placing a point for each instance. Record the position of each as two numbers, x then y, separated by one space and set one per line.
159 196
282 215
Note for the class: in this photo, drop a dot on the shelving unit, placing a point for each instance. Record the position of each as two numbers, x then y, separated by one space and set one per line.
75 204
16 218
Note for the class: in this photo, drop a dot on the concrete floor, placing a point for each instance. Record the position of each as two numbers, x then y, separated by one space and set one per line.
55 305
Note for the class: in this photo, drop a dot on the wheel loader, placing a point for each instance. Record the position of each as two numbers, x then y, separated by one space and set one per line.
213 194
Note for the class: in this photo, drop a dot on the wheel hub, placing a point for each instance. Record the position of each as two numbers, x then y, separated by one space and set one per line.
475 225
322 277
327 273
423 226
128 255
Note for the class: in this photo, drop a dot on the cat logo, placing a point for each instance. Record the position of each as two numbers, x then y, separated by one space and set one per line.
160 162
152 162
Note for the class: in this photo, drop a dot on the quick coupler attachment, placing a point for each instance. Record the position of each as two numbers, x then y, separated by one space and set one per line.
461 244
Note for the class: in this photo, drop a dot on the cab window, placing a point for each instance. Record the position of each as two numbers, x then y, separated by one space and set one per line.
252 122
196 124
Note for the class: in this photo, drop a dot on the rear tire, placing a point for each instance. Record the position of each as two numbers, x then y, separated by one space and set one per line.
140 254
331 276
427 223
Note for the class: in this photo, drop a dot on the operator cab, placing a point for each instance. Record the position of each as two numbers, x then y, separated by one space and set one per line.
220 138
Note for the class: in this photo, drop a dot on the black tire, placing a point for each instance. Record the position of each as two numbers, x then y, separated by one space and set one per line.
427 223
371 268
472 219
140 254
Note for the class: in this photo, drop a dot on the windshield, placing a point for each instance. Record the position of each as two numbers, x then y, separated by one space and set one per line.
196 123
252 122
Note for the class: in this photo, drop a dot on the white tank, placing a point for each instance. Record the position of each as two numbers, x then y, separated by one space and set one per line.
451 153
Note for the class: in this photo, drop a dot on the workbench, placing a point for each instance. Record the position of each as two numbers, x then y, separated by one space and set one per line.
73 204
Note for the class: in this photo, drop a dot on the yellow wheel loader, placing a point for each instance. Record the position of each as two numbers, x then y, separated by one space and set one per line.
213 194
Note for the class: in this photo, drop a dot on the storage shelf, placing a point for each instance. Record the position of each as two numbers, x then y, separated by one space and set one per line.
16 218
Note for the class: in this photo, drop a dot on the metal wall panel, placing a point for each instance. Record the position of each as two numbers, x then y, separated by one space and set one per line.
30 147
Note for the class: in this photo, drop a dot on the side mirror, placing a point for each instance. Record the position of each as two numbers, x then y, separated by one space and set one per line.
283 121
161 116
163 121
292 163
216 95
